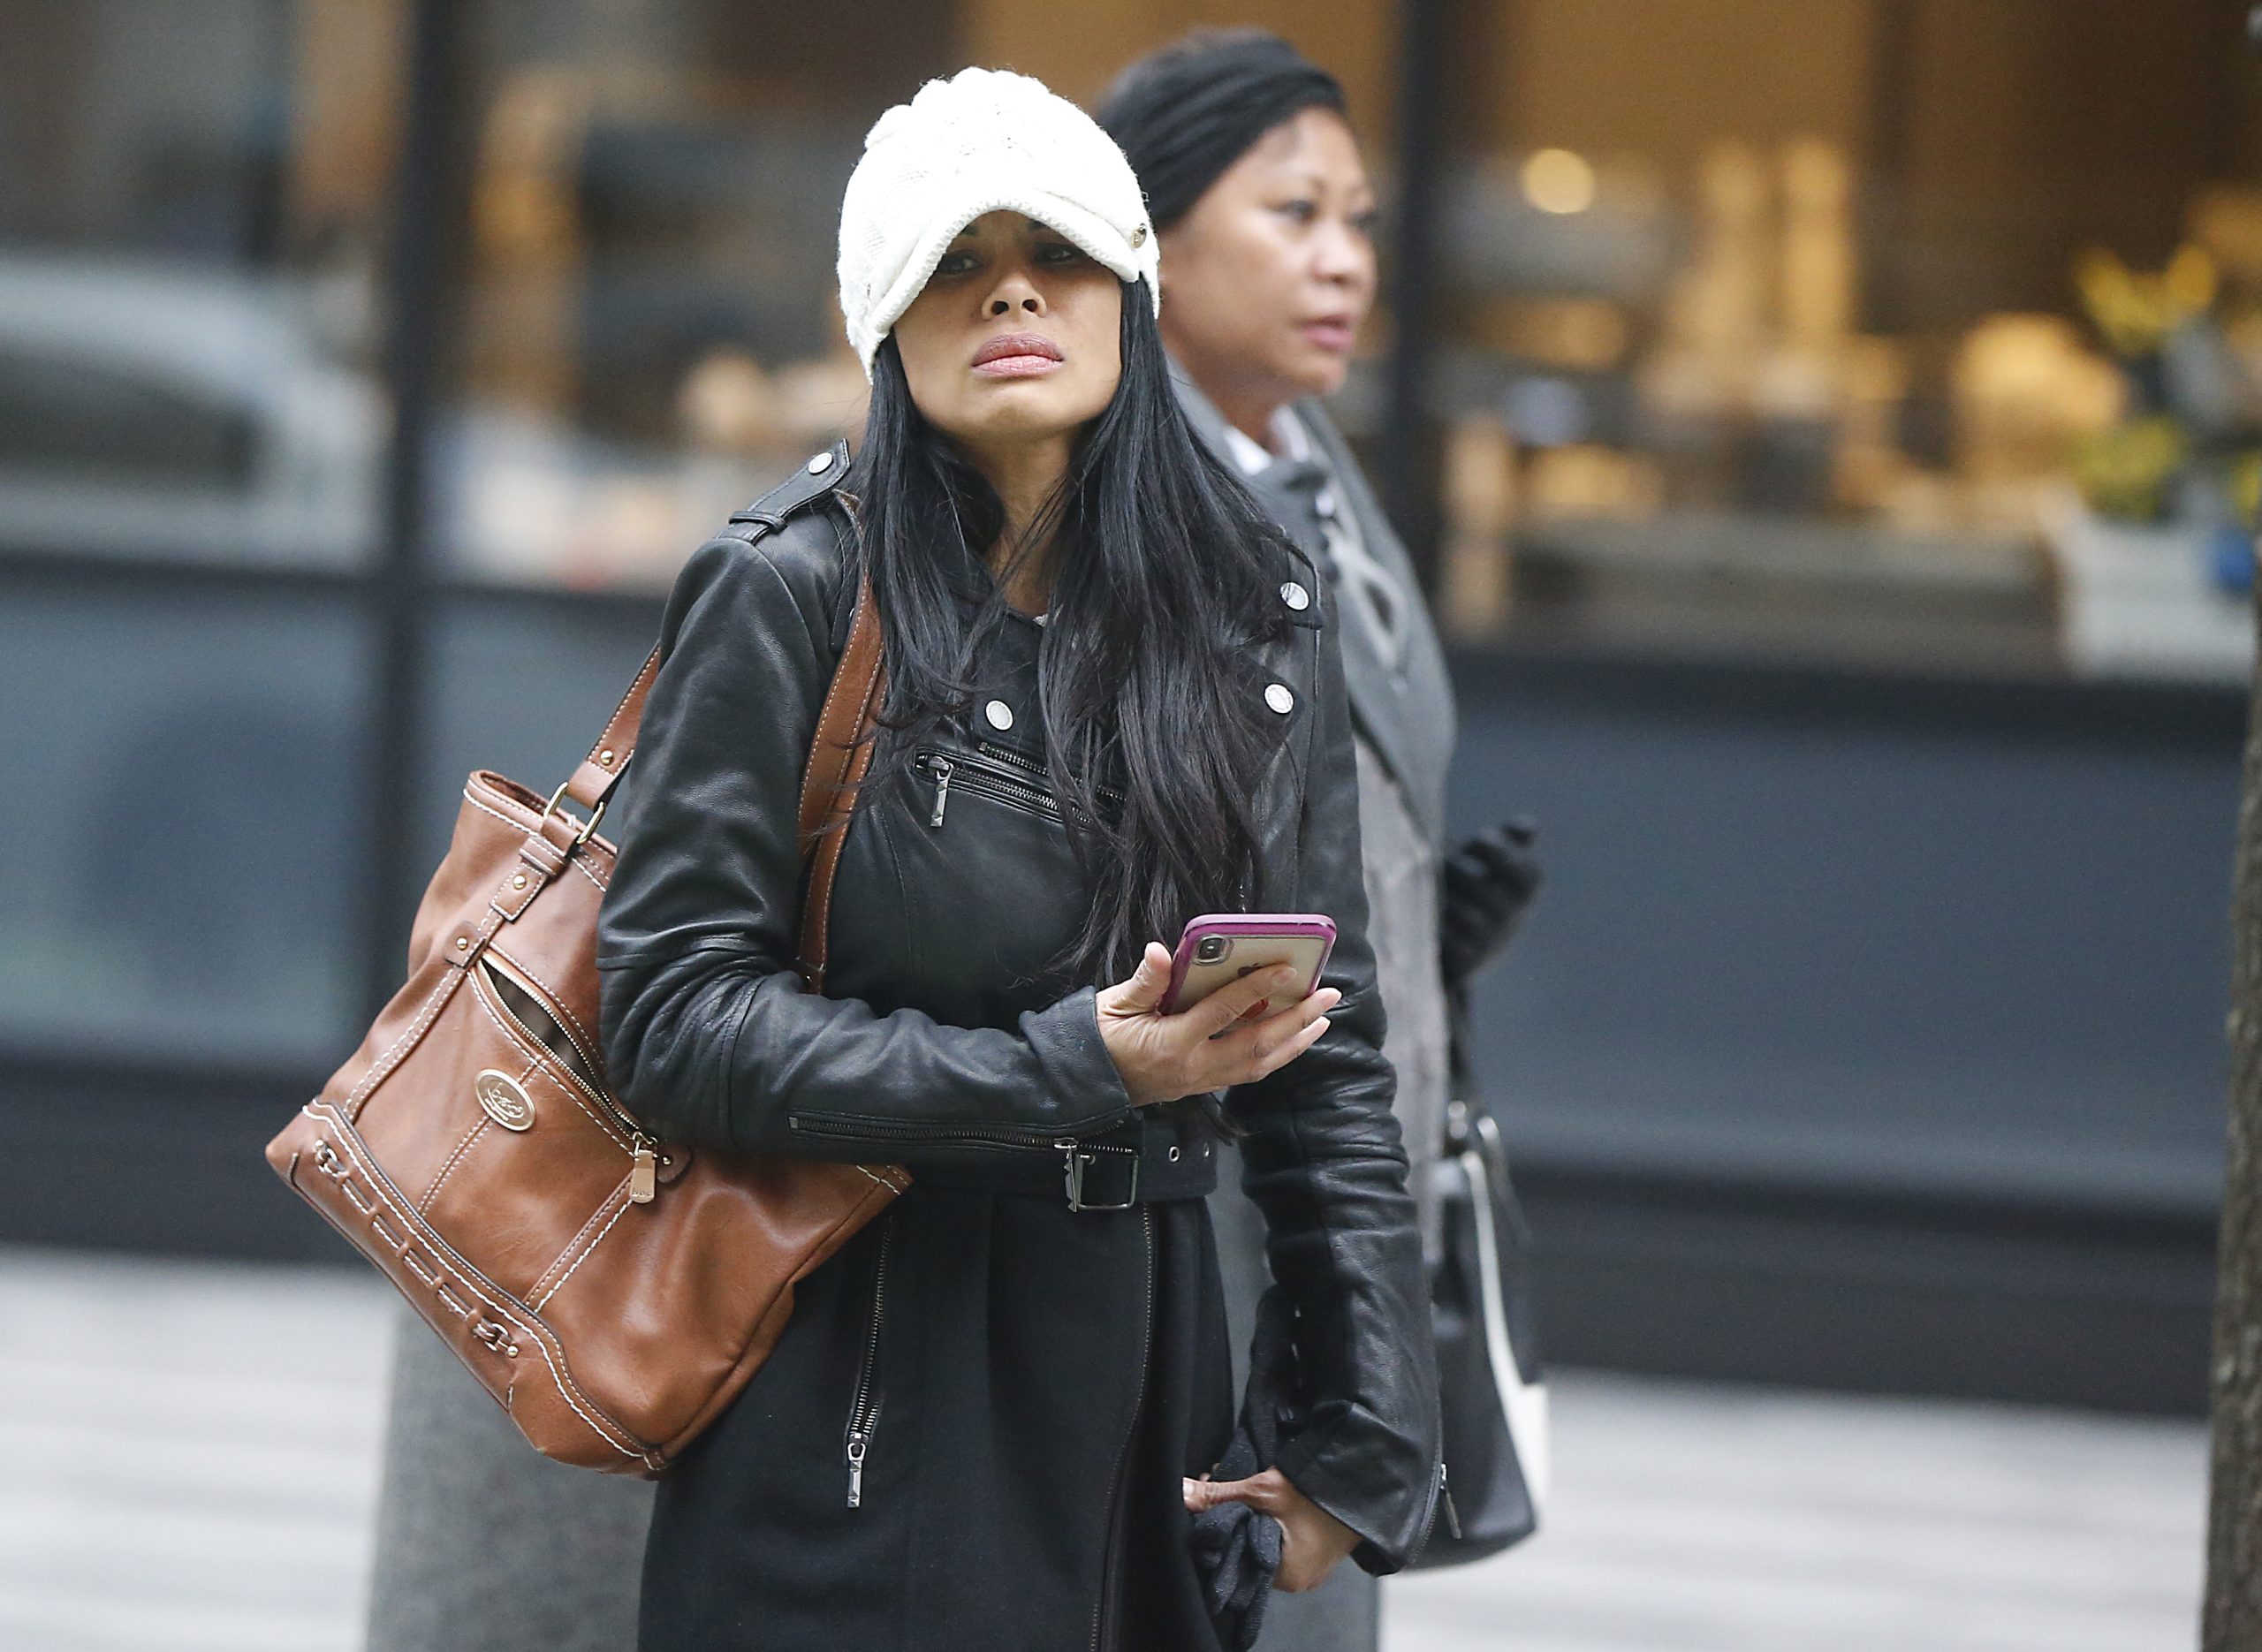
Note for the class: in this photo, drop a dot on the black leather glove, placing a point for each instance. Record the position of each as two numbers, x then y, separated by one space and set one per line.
1487 884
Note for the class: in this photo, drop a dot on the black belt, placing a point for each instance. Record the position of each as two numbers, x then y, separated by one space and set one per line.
1094 1175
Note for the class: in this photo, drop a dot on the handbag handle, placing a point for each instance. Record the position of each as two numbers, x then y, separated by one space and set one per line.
839 758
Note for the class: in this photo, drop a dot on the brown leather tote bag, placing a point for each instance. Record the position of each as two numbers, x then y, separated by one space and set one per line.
612 1293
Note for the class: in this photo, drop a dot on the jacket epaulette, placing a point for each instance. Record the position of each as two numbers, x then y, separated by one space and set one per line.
811 482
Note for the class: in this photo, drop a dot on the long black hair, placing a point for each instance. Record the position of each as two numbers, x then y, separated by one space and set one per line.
1164 582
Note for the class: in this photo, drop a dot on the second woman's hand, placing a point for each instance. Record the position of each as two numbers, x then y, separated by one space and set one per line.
1162 1057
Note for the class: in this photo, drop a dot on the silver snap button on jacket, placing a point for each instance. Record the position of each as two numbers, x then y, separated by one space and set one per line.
1295 596
1279 699
999 714
821 464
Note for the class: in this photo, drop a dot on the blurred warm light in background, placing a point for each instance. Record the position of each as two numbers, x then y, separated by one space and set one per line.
1557 181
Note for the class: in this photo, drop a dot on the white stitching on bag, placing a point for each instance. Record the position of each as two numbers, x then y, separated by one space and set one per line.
557 999
381 1069
584 1256
566 1388
479 996
424 1205
579 863
558 1260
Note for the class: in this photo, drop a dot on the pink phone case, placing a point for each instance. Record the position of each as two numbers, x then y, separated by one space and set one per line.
1242 942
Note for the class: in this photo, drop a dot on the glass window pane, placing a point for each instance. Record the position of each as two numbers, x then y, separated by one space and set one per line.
1891 332
182 811
651 337
190 198
523 689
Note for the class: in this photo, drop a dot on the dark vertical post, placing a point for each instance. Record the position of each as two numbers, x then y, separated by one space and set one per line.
1406 452
427 203
2230 1612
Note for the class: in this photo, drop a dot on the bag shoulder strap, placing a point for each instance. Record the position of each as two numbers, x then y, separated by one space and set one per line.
594 780
838 757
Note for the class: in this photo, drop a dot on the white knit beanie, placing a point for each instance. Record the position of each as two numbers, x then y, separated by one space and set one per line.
983 141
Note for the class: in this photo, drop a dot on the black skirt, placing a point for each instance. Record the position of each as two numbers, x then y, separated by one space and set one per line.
971 1434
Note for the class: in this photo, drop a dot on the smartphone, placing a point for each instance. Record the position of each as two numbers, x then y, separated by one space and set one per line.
1222 946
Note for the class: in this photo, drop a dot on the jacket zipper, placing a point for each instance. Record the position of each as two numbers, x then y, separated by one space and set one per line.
643 1155
994 779
864 1409
1100 1624
1029 765
969 776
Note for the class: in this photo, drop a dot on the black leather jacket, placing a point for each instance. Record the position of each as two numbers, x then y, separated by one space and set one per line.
941 1042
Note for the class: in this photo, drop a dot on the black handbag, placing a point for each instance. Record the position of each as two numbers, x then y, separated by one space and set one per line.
1493 1393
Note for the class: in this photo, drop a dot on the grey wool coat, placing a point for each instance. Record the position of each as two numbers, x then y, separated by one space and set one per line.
1402 716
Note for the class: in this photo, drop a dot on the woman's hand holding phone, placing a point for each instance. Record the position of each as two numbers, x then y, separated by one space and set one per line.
1163 1057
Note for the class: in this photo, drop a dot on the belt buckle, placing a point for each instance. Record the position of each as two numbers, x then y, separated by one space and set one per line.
1080 1159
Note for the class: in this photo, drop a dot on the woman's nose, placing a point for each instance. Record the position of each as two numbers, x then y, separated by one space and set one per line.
1343 256
1016 292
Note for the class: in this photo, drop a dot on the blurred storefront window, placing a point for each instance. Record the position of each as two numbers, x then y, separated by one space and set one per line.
184 846
1738 363
194 195
1907 333
651 336
191 196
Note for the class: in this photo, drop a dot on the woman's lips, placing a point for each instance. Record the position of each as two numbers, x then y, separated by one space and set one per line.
1333 332
1016 367
1017 356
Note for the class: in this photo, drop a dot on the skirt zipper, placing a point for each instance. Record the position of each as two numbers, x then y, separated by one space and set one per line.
1100 1621
864 1411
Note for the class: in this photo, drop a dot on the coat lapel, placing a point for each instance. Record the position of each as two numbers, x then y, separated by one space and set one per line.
1405 711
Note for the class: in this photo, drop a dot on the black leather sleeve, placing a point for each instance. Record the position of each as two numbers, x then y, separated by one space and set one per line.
708 1034
1324 1161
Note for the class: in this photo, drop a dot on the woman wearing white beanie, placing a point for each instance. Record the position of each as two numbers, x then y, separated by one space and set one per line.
1002 1416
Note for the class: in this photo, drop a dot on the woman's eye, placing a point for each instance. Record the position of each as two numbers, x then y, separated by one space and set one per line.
1364 221
1299 211
1059 252
954 264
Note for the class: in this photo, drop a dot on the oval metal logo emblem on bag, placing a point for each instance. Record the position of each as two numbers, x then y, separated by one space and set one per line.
505 1099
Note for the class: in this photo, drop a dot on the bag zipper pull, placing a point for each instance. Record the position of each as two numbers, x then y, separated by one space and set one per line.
941 768
859 1442
643 1173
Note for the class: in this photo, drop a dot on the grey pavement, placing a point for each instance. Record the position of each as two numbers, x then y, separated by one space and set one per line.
191 1453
